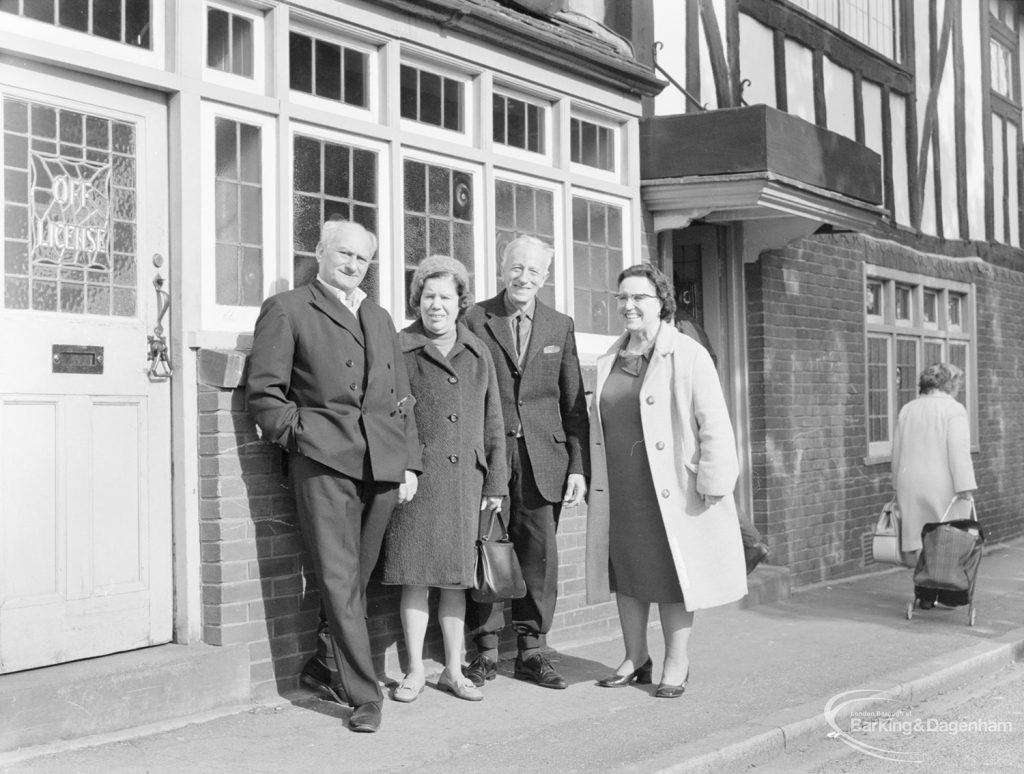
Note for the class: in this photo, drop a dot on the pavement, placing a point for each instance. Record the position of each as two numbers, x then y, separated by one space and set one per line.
761 677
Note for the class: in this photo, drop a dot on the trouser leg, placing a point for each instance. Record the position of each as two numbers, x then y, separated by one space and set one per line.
342 522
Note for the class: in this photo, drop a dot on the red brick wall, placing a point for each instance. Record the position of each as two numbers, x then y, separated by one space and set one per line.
815 497
258 587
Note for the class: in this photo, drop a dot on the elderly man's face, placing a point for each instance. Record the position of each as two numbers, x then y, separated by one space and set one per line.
525 272
344 257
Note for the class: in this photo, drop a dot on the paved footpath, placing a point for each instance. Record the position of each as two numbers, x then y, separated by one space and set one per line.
760 679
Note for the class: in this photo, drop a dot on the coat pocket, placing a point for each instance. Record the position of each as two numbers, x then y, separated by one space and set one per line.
558 436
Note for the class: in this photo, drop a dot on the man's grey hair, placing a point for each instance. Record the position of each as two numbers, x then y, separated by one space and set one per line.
330 227
521 242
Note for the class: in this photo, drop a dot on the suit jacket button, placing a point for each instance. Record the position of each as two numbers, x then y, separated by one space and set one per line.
522 403
350 363
665 493
453 417
650 400
659 445
453 379
454 458
353 386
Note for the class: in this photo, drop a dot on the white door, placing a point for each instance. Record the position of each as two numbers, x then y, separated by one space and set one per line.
85 489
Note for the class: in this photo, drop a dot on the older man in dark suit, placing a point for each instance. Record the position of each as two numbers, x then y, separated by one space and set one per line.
327 382
545 412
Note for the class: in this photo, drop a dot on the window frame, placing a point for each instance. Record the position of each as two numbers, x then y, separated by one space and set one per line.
385 268
618 172
346 39
482 209
71 41
214 316
255 84
547 157
471 93
597 342
887 327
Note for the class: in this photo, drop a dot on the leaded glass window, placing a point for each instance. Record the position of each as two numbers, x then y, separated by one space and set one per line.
123 21
439 215
331 181
70 211
238 214
524 210
597 261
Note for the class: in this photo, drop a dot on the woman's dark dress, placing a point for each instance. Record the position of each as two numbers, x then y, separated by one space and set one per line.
640 561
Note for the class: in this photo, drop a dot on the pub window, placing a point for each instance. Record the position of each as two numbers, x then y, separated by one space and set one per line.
123 21
522 209
327 69
239 214
230 42
431 98
1001 57
518 123
597 259
332 180
591 144
439 216
875 23
927 324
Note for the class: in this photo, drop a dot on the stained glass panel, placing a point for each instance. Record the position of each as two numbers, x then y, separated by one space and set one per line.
69 211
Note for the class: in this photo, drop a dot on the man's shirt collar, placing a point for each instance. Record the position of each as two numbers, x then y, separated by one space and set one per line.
351 302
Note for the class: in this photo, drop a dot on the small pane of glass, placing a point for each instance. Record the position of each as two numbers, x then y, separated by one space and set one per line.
873 298
906 371
903 302
930 306
242 46
328 70
955 310
300 62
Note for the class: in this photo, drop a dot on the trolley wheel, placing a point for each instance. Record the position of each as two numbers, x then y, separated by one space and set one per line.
910 609
970 615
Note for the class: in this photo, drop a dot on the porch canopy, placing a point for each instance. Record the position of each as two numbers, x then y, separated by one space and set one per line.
756 163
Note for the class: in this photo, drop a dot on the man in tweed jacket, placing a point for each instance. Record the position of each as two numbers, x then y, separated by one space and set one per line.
545 415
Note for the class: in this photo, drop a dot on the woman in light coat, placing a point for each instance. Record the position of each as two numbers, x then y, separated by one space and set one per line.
931 458
662 524
430 539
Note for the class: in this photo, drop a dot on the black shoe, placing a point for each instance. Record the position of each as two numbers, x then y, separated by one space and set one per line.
317 677
480 670
666 691
366 717
642 675
755 554
925 604
537 669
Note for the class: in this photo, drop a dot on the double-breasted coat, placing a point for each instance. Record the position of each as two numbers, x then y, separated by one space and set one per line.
430 540
691 450
931 461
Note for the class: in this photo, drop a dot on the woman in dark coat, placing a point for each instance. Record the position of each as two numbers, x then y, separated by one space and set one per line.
430 540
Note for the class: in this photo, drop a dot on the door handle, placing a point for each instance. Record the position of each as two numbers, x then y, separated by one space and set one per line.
159 356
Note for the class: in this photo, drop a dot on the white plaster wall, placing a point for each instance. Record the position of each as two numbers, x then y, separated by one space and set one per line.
800 80
975 134
670 30
757 62
946 116
839 99
872 98
922 64
997 176
900 167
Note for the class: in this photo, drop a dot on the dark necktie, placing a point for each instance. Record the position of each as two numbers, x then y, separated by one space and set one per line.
519 335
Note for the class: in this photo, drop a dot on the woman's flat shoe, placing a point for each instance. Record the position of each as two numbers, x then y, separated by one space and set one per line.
407 690
461 687
666 691
641 675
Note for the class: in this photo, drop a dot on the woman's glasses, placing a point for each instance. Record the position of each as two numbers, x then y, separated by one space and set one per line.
636 298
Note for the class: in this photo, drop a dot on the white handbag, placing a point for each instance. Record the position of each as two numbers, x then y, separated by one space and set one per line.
886 542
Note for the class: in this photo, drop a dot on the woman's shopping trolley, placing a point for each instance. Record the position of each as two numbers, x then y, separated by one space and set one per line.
948 565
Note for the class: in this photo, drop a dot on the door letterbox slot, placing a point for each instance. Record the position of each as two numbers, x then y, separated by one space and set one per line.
76 359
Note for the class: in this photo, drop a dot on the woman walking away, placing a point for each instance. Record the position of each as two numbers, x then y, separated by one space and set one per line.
662 525
931 458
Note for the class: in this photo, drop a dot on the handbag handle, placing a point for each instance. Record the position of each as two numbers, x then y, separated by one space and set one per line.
495 514
945 513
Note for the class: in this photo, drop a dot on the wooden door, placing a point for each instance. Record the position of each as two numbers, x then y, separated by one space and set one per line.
85 527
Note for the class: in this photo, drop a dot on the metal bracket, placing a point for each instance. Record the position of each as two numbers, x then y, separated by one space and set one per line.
159 356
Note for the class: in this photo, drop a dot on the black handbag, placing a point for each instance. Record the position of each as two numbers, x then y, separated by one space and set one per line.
496 574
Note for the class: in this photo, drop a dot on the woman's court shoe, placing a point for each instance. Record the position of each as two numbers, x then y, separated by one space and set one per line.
642 676
463 689
666 691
